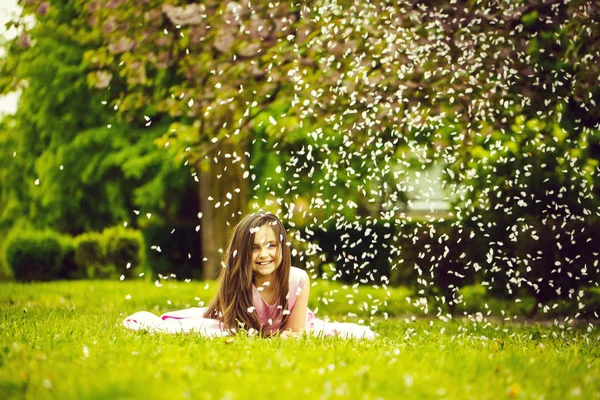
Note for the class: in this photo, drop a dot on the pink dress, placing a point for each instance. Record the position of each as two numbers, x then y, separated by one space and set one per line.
191 320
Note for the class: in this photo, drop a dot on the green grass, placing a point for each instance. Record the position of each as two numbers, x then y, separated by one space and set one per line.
65 340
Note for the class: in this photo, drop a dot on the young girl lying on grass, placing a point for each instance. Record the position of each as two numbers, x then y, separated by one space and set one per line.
259 292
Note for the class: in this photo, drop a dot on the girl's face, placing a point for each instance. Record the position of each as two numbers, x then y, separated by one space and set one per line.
266 254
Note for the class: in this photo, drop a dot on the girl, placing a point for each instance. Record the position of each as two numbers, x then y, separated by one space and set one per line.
259 292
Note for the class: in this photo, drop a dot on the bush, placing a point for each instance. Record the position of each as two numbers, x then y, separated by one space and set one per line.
357 256
124 250
69 268
540 225
31 255
90 254
5 272
445 263
364 301
550 262
586 307
114 252
37 255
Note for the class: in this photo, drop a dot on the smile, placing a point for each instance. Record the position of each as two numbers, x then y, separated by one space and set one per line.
264 263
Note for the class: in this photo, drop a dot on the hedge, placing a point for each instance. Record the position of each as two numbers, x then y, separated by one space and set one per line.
90 254
555 263
114 252
124 250
39 256
31 255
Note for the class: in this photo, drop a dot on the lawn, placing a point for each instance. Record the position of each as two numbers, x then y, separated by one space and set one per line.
65 340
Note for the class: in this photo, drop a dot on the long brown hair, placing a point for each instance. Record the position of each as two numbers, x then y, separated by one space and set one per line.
234 298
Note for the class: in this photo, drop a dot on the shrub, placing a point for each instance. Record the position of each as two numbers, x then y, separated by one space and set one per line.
357 257
444 263
124 250
5 271
34 255
108 254
471 298
538 230
336 298
90 254
588 306
70 269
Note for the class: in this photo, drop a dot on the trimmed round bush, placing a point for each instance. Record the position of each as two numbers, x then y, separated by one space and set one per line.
90 254
114 252
124 250
34 255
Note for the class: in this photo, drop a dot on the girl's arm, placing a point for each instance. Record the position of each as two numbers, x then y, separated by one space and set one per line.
297 319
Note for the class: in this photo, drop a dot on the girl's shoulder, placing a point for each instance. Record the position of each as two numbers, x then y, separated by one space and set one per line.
298 276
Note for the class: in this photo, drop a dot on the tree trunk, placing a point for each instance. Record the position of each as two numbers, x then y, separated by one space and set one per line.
220 181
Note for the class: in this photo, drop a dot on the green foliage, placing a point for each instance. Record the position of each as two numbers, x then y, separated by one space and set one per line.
39 256
365 260
47 255
351 97
70 268
90 253
318 173
114 252
435 258
48 74
359 302
473 299
73 166
532 208
592 303
124 250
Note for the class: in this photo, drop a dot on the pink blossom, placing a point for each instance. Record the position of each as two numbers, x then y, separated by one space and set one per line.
113 3
43 8
122 46
224 42
24 40
192 14
103 79
109 26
